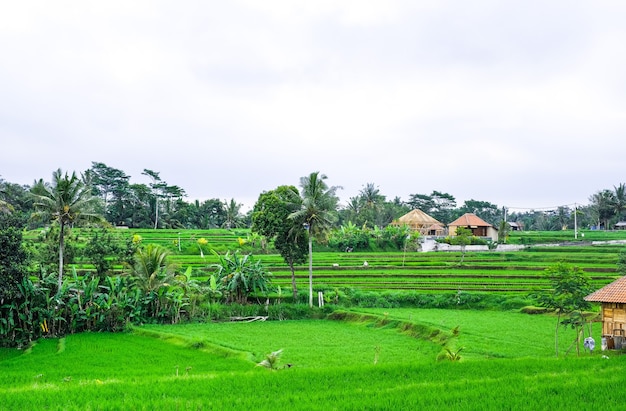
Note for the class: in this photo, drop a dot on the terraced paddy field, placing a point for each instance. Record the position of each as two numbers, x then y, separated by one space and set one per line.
431 272
512 272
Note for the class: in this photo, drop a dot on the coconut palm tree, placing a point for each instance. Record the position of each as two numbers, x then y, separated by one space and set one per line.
233 215
317 213
155 277
371 196
603 206
151 270
619 199
67 201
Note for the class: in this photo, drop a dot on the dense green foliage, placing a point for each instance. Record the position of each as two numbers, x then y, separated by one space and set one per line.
242 276
13 258
270 218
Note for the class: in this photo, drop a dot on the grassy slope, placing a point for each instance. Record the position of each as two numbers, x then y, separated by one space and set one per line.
333 368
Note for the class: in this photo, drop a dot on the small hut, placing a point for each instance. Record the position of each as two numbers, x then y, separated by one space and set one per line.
475 224
621 225
419 221
613 300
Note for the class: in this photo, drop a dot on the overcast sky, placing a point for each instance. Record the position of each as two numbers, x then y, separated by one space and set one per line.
522 103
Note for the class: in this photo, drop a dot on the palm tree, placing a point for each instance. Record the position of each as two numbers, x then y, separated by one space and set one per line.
157 187
233 215
319 203
151 270
603 206
155 277
68 201
371 196
372 202
619 200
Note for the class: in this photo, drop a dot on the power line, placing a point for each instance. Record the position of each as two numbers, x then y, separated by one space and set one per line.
575 205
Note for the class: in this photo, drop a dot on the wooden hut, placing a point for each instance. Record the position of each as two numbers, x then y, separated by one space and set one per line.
613 300
419 221
475 224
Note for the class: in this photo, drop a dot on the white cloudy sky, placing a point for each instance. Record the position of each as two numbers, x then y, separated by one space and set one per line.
522 104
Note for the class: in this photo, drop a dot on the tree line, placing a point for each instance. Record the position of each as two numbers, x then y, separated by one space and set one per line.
159 204
123 203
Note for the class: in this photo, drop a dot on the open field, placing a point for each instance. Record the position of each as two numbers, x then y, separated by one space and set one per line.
506 364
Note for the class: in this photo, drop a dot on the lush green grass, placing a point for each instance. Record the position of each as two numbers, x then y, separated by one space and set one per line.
310 343
492 334
538 237
507 363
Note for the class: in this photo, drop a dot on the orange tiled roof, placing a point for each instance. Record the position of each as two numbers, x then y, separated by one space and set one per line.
468 220
611 293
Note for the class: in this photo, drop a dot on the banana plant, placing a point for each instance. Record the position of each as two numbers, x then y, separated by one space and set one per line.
241 276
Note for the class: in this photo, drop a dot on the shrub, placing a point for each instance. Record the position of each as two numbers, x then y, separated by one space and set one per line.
349 237
531 309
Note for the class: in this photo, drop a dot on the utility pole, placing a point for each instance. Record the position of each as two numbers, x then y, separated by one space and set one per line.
575 223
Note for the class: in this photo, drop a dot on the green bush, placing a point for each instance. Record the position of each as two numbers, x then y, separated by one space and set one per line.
349 238
531 309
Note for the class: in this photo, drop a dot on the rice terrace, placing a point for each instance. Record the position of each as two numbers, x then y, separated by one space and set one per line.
408 330
133 299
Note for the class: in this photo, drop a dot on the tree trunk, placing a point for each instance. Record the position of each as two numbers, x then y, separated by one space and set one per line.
556 334
156 212
294 287
310 272
61 248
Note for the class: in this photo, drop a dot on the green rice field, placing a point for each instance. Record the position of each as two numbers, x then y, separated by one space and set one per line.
517 272
357 359
370 359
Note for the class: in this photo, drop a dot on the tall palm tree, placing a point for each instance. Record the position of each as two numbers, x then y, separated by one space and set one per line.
317 212
233 215
67 201
603 206
619 200
371 196
372 203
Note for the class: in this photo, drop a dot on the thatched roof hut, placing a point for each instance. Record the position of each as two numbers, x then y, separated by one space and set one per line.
421 222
